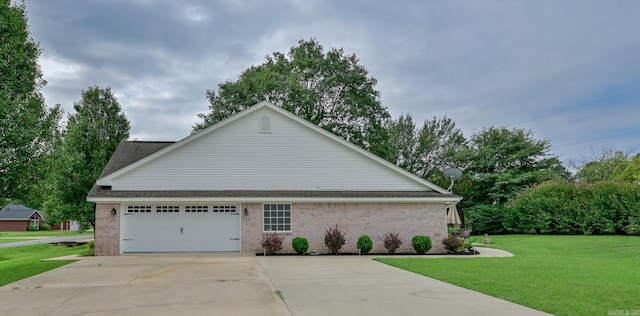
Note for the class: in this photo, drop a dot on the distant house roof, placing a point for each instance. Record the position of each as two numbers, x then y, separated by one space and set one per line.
17 212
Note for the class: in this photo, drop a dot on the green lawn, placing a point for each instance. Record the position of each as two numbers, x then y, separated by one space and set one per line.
43 233
17 263
561 275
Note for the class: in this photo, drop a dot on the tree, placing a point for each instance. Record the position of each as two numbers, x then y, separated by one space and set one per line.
27 126
426 151
91 136
502 162
632 172
329 89
608 165
439 145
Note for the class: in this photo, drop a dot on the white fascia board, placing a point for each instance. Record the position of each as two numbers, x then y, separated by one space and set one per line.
277 199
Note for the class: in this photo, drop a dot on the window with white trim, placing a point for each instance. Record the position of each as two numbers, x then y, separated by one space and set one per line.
139 209
35 222
277 217
223 209
167 208
196 209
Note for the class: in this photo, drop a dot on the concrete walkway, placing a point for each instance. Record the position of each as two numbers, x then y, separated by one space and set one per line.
357 285
48 240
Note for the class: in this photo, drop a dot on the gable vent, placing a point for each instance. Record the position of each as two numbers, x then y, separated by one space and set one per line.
265 124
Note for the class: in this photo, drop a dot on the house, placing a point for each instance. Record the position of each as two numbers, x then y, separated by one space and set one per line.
261 170
19 218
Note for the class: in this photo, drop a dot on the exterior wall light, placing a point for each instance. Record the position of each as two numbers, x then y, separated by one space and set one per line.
245 211
113 212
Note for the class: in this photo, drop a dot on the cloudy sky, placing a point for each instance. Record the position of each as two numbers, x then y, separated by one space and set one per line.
568 70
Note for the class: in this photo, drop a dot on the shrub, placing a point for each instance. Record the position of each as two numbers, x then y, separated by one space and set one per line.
272 242
365 244
392 241
32 228
89 249
453 244
334 239
45 226
300 245
421 244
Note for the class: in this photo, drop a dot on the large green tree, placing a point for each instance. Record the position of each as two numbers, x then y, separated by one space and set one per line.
500 163
27 126
327 88
609 165
91 136
427 150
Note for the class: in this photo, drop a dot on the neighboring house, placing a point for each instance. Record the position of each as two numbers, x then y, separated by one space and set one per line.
261 170
19 217
66 225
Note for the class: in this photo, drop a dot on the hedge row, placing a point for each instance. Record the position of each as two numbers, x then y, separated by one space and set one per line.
570 208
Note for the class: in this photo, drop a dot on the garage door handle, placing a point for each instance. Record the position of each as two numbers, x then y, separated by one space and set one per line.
234 238
127 239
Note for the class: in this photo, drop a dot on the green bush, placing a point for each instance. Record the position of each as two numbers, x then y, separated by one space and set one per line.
45 226
421 244
32 228
365 244
89 249
557 207
300 245
334 239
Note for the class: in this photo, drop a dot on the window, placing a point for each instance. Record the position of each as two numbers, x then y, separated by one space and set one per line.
196 209
167 209
35 222
139 209
223 209
277 217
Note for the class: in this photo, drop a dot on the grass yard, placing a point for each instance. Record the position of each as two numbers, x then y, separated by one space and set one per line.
7 237
17 263
561 275
42 233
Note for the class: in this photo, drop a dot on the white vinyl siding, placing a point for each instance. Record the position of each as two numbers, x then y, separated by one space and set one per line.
239 157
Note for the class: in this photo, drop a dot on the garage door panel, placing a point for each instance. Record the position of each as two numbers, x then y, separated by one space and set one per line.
180 231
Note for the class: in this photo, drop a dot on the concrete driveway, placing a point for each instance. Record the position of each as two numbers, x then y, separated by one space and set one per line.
158 284
352 285
234 284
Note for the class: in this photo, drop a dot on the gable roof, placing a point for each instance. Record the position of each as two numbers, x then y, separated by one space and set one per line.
131 155
17 212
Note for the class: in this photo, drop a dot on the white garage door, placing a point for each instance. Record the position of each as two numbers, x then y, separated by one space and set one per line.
176 228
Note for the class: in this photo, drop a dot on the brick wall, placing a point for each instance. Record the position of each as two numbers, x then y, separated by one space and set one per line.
107 232
16 226
310 220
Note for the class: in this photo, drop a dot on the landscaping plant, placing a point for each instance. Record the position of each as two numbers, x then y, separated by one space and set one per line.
334 239
453 244
392 241
421 244
300 245
365 244
271 242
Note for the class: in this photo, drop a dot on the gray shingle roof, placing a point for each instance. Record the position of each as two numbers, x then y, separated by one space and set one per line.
16 212
129 152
